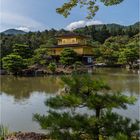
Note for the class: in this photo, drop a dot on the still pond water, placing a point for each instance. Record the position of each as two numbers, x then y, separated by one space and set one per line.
21 97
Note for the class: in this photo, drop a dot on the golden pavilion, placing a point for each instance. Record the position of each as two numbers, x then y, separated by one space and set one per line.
76 42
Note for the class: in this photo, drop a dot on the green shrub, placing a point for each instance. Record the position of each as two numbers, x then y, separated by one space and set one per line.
13 63
52 67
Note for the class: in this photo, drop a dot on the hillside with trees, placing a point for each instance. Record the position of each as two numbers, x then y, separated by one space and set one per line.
112 44
13 32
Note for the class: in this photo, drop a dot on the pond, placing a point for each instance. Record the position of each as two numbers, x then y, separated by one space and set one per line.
21 97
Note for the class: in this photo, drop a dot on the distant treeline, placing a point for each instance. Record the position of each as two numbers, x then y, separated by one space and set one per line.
98 33
101 32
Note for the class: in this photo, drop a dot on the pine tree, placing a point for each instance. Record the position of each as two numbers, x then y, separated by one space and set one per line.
130 31
119 31
105 33
83 92
93 32
86 30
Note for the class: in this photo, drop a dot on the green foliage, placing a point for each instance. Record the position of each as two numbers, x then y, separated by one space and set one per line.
5 46
84 84
50 42
119 136
104 34
112 44
52 67
64 121
23 50
13 63
3 132
97 52
117 40
91 6
109 55
95 95
115 124
68 56
111 48
77 64
129 55
118 50
65 101
41 56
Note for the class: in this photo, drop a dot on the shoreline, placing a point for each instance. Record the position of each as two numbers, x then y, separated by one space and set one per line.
62 71
26 136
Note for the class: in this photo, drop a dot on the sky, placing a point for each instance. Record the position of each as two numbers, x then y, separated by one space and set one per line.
34 15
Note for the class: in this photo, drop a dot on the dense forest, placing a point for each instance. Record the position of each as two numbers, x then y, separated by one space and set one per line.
112 44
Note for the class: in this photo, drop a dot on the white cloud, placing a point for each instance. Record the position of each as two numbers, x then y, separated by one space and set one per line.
25 29
15 20
93 22
82 23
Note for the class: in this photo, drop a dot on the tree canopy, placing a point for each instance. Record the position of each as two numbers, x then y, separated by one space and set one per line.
68 56
129 56
41 56
13 63
91 5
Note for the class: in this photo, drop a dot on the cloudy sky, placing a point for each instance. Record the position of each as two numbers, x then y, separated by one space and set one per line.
40 15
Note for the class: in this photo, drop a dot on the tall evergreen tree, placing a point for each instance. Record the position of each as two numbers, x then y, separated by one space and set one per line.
83 92
105 33
93 32
119 31
86 30
129 31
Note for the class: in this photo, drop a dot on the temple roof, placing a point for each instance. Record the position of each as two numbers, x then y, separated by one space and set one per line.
71 34
69 45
